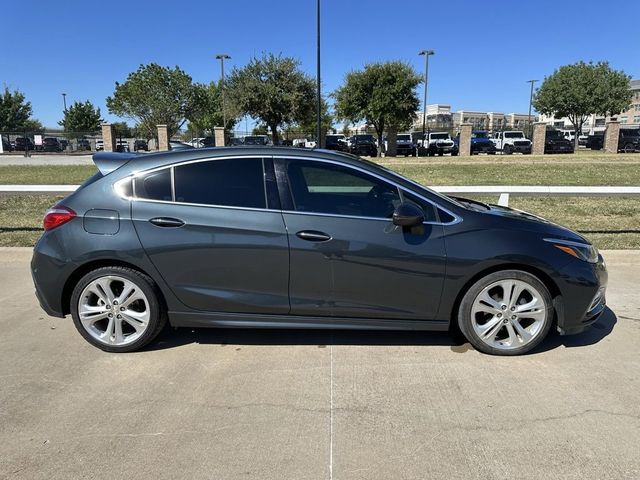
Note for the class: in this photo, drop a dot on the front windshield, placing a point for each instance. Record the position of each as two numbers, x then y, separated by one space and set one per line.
513 135
364 138
440 136
479 135
404 138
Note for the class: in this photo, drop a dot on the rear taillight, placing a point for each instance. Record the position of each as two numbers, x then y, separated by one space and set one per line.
57 216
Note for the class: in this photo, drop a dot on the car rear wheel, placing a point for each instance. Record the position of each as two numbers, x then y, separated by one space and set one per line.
629 148
506 313
507 150
117 309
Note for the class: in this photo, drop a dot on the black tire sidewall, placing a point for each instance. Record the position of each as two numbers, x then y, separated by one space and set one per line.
464 311
148 287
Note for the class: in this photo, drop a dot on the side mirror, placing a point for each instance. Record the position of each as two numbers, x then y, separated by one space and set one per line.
408 215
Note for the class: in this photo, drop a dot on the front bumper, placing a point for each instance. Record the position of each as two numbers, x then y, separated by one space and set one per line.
522 148
584 296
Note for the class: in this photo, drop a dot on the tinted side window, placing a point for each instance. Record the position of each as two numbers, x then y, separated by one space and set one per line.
236 182
154 185
327 188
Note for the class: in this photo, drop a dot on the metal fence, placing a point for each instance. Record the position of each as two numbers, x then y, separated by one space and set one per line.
50 141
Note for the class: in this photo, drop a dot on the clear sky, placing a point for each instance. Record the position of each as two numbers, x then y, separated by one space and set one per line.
485 51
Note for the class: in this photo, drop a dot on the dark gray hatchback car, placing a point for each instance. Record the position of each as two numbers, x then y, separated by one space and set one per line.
277 237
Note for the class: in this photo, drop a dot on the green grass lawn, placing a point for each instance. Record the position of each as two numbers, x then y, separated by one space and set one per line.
608 222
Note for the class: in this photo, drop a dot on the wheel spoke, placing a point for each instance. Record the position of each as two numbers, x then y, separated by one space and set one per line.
507 289
514 340
138 323
523 332
103 289
118 335
128 290
107 335
485 299
491 328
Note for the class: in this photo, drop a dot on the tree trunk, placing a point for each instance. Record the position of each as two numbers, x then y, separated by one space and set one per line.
274 133
392 139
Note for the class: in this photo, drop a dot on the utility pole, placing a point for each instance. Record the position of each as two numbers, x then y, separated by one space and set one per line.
530 102
427 54
222 57
318 99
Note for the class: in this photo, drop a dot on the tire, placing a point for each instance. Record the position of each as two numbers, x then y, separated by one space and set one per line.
502 336
629 148
145 315
507 150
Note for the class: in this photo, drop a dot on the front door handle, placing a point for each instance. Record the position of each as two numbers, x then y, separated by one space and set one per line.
167 222
313 236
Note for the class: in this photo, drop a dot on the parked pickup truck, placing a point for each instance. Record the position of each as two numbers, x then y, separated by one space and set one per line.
439 143
511 141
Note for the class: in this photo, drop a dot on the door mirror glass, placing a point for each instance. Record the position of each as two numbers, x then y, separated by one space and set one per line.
408 215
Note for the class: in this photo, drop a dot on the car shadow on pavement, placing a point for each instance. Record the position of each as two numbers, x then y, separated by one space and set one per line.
594 334
171 338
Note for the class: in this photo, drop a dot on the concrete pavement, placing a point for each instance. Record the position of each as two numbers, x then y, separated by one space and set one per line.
53 159
225 404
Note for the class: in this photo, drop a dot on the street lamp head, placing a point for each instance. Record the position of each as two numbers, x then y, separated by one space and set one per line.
223 56
426 52
532 81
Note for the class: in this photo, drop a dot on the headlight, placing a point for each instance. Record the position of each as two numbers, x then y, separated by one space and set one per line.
583 251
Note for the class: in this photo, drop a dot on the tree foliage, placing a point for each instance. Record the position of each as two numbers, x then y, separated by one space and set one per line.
383 94
210 114
273 90
32 125
579 90
155 95
308 124
14 110
81 117
122 129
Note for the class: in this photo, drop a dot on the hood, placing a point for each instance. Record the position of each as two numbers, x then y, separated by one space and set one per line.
526 221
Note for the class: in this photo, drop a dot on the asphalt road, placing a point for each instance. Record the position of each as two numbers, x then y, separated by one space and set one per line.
224 404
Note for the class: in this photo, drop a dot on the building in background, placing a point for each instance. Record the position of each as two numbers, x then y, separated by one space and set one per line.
597 123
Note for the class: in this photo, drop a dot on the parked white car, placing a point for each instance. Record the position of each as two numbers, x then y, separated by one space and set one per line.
511 141
439 143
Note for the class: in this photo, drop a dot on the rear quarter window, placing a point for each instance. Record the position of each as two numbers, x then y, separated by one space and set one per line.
154 185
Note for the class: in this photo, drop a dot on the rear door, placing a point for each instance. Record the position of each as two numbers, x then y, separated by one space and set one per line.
347 258
214 231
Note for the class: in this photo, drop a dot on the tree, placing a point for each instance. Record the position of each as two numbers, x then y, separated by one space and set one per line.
273 90
14 110
579 90
383 94
122 129
308 124
81 117
33 126
210 114
155 95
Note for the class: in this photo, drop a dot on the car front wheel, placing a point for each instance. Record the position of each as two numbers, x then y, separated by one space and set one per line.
506 313
117 309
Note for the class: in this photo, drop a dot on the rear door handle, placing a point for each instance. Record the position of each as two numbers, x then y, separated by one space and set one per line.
167 222
313 236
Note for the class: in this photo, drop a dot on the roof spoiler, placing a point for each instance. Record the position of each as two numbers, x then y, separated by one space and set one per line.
107 162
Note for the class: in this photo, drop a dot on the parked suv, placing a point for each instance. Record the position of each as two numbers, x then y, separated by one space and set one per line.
511 141
336 142
480 143
23 143
363 144
404 145
439 143
140 145
628 140
556 141
50 144
244 237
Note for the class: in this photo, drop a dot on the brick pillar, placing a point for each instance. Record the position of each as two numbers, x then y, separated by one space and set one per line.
611 137
539 133
392 142
218 136
464 144
108 137
163 138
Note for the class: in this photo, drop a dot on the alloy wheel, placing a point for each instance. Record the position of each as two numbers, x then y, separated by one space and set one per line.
508 314
114 310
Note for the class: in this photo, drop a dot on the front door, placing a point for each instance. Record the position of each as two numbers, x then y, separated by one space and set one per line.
347 259
207 228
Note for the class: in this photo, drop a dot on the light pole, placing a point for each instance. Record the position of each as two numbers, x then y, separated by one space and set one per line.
64 101
318 99
427 54
222 57
530 102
